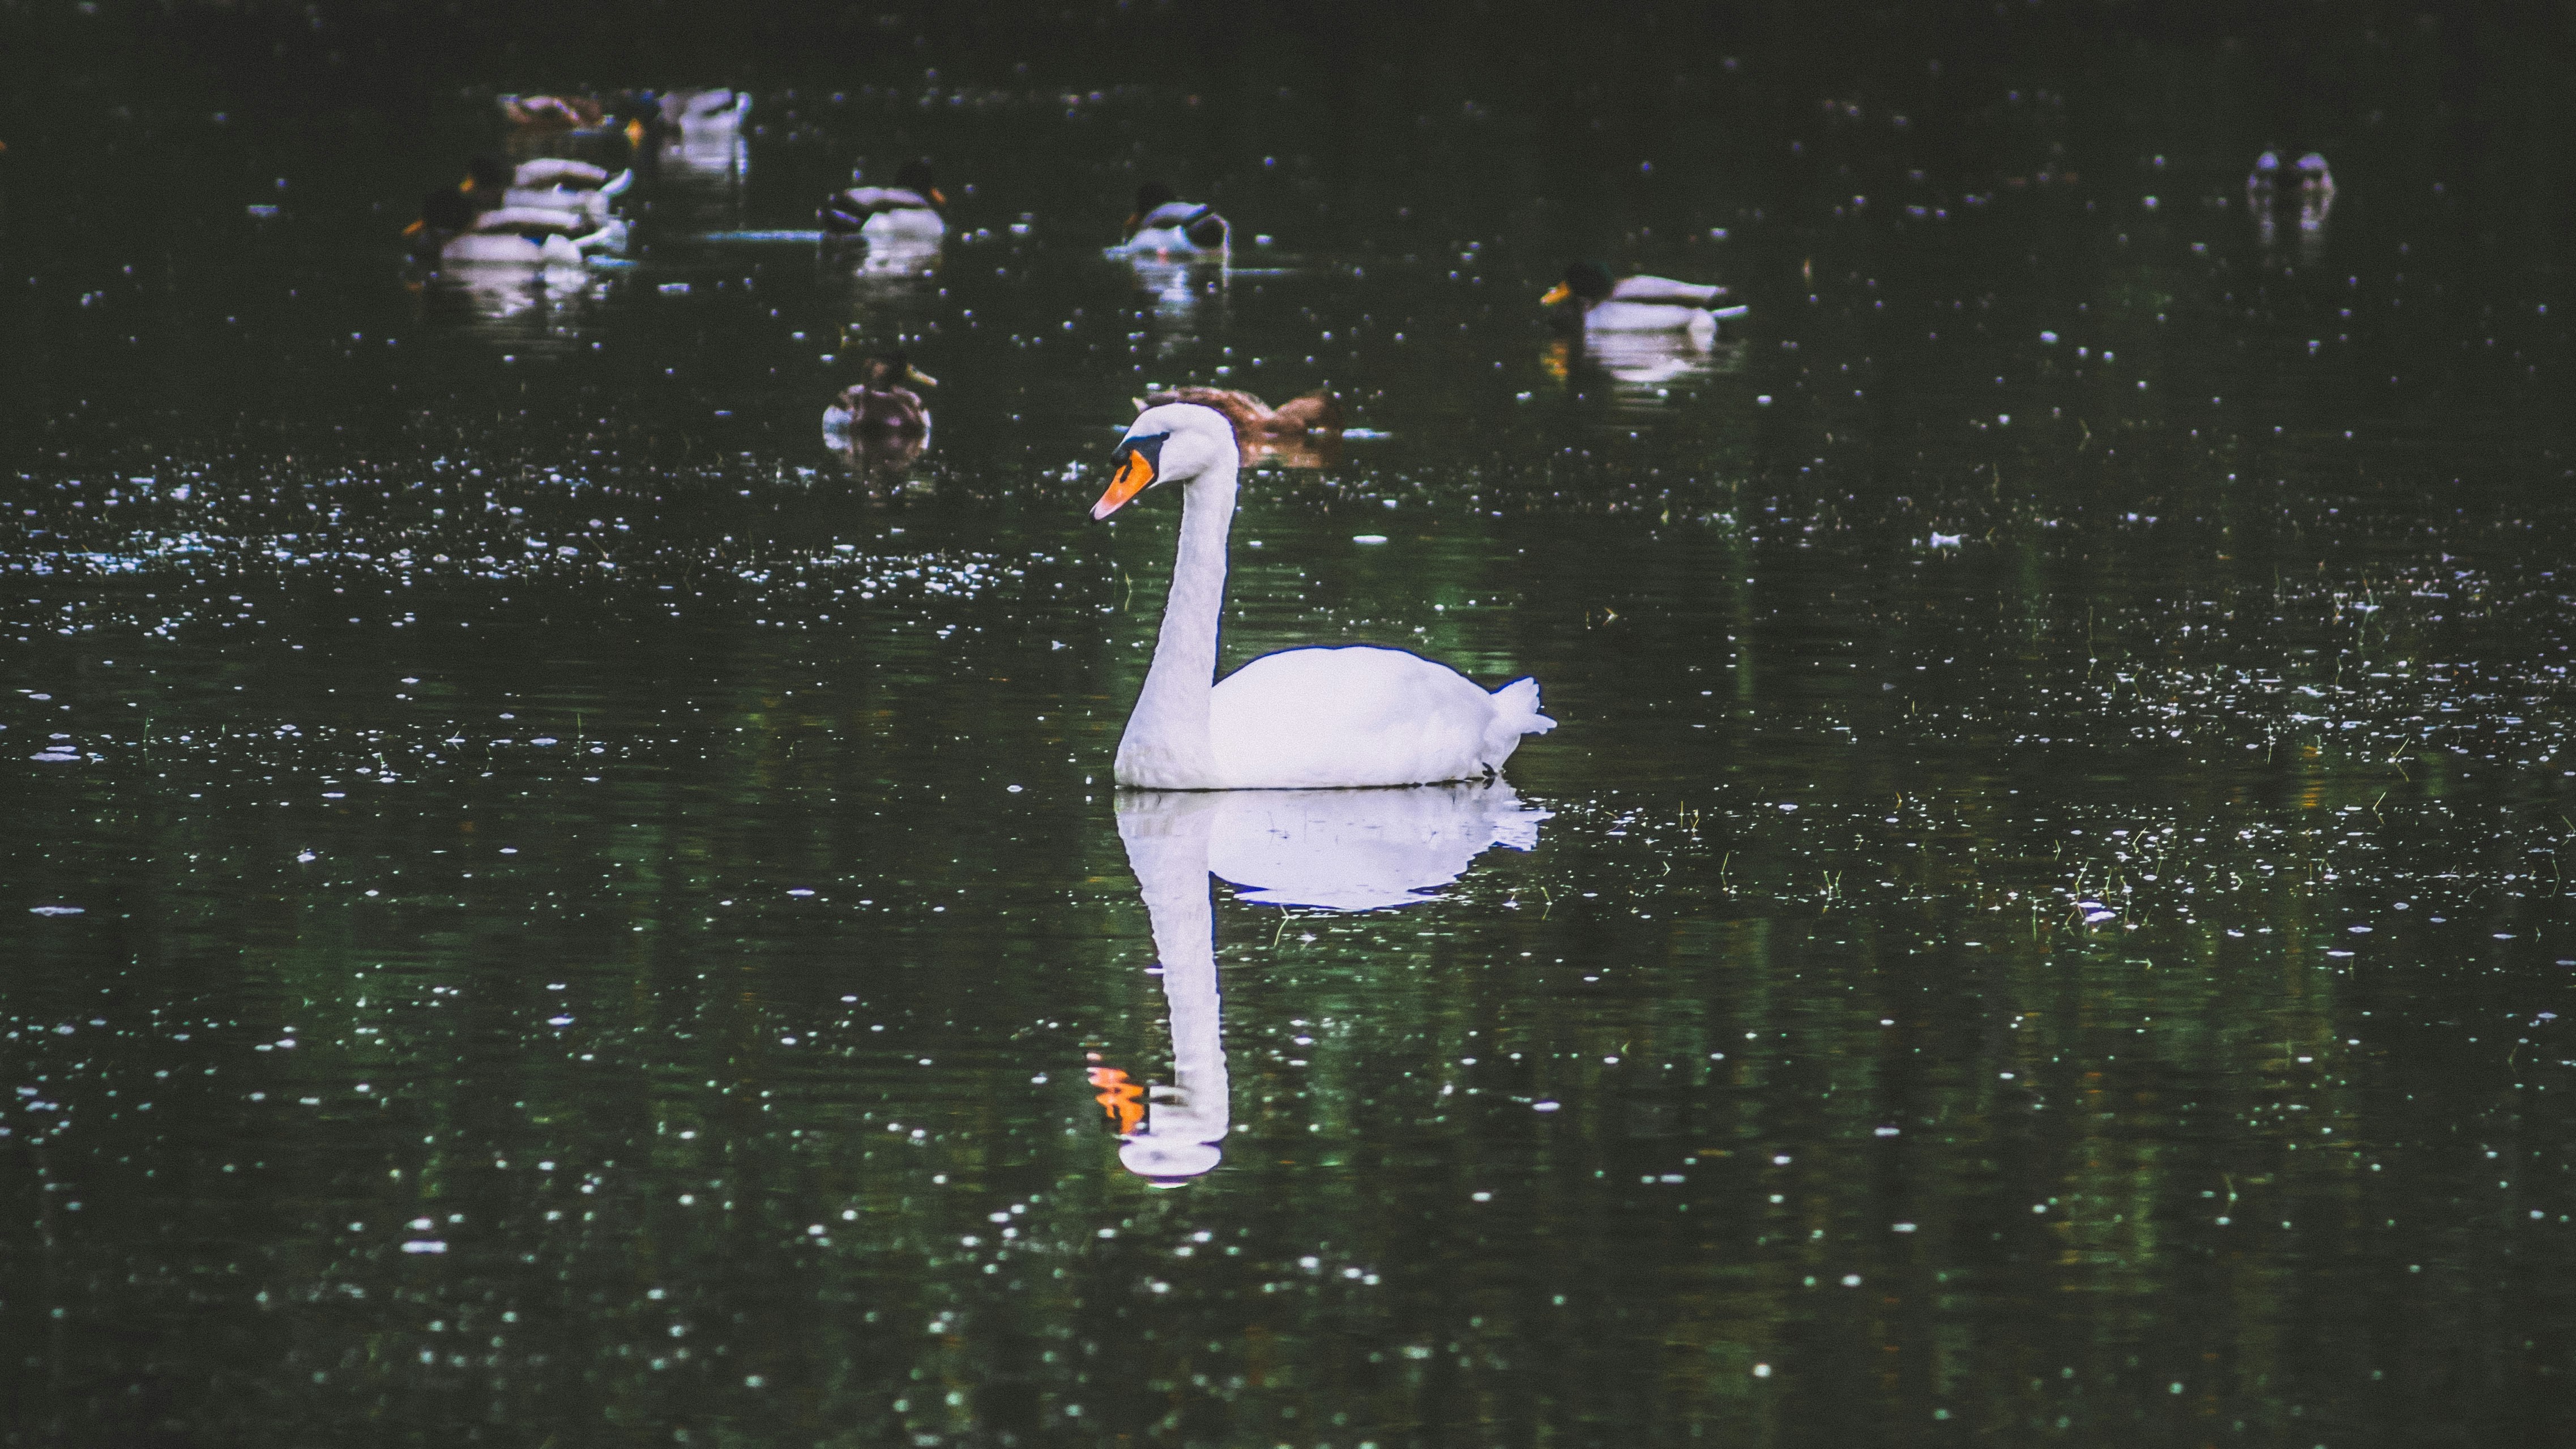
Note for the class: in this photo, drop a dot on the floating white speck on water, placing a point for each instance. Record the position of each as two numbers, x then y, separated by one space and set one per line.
1368 538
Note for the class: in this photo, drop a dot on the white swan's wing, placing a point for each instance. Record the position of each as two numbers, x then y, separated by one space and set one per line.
1358 716
1665 289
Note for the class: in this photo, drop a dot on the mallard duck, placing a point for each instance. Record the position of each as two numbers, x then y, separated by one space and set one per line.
906 212
549 183
1303 432
553 113
1639 304
450 229
1315 718
1164 223
878 403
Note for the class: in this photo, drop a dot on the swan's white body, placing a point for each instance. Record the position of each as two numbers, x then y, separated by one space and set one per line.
1302 718
1334 850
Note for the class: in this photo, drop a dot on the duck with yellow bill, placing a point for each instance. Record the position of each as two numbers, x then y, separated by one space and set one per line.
906 214
880 404
1639 304
1164 225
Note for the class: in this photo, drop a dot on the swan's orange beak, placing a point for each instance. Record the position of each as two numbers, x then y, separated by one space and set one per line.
1135 475
1556 294
414 228
936 199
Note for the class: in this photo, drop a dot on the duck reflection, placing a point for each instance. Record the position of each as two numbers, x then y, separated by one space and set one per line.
1180 289
523 304
2306 185
1644 367
1336 850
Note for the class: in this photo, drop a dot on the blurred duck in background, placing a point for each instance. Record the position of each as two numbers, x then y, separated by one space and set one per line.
553 113
705 110
1639 304
1164 225
2308 183
1303 432
452 230
879 405
905 215
549 183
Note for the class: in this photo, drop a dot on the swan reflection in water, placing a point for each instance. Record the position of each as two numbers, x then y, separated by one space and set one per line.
1335 850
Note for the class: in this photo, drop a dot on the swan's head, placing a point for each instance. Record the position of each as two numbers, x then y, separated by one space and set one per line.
1174 443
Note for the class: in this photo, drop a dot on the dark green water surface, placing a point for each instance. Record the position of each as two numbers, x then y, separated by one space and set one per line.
539 905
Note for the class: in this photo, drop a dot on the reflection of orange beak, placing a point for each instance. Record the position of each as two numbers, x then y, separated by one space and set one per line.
635 133
1556 294
1121 1100
414 228
466 185
936 199
1134 476
1135 219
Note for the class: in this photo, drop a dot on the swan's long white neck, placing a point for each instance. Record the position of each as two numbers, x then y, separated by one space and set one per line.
1167 745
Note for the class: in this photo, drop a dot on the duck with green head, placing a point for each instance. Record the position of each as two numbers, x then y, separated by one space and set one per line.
904 214
1638 304
1164 225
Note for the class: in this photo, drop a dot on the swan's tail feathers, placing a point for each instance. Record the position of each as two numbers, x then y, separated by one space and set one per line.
1516 704
1515 714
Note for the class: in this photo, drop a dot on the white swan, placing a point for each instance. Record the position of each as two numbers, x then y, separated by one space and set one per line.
1332 849
1301 718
